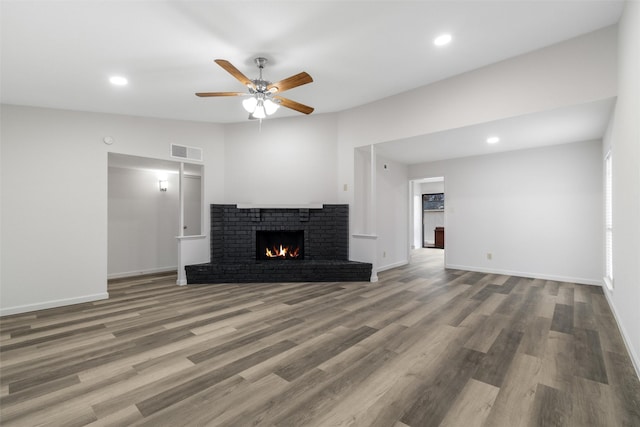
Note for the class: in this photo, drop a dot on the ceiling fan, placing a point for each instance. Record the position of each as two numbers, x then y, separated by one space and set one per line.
263 98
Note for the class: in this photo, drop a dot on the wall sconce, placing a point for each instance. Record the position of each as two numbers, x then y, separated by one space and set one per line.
163 185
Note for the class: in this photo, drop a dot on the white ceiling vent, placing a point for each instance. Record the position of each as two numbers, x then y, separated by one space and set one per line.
184 152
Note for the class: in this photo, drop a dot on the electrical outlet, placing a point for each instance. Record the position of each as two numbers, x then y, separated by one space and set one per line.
345 187
384 254
489 256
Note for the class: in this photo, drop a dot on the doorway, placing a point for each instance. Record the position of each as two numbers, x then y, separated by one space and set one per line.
428 220
145 213
433 219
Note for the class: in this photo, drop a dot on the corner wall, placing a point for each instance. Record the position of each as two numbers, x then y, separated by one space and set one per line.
392 213
54 196
572 72
623 139
143 223
538 212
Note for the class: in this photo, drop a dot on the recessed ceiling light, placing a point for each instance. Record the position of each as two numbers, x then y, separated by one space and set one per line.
118 81
493 140
442 40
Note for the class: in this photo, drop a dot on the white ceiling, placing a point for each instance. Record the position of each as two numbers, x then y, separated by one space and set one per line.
571 124
60 53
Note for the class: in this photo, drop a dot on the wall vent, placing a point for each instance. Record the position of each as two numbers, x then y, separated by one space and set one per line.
184 152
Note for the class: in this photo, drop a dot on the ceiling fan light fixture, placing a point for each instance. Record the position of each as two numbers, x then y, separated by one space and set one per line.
270 107
250 104
259 112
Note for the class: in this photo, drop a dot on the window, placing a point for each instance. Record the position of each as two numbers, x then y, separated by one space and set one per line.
608 221
433 202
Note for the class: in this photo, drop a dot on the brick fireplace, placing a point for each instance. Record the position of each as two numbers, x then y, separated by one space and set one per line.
240 239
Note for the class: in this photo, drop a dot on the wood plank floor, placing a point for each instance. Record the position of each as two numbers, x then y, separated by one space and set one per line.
422 347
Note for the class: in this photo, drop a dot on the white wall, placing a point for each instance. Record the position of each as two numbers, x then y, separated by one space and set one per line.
286 161
143 222
430 221
392 213
363 214
432 187
416 215
573 72
54 196
623 139
538 212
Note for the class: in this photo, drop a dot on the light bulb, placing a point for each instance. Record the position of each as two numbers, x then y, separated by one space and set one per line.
270 107
118 81
442 40
249 104
259 112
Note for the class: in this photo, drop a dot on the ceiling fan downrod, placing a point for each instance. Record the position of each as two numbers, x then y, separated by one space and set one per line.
260 83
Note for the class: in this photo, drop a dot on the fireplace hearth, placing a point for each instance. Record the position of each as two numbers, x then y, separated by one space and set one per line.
305 245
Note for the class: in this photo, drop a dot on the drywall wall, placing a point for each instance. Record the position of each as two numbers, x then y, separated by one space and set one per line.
392 213
416 215
430 221
573 72
282 161
538 212
623 139
143 222
576 71
54 196
363 213
432 187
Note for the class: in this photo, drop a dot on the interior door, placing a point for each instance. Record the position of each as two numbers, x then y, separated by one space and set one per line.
192 191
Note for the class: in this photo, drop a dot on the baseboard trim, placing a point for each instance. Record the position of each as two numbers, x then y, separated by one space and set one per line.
142 272
635 360
567 279
52 304
390 266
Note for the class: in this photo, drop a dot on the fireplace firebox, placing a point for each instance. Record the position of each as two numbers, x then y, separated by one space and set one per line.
280 245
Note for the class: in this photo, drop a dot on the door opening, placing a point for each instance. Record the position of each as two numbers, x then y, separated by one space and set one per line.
428 220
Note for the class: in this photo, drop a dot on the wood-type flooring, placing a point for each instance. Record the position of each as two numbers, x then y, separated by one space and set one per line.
422 347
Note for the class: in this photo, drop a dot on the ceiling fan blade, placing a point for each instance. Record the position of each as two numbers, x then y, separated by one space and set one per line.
229 68
203 94
290 82
285 102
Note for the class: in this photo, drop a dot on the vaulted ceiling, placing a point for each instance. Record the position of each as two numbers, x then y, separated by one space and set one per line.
60 54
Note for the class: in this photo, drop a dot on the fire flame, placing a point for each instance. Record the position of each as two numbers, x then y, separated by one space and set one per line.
282 252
